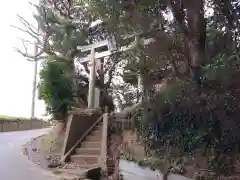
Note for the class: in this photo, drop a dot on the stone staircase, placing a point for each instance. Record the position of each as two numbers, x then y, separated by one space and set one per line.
85 147
94 151
87 154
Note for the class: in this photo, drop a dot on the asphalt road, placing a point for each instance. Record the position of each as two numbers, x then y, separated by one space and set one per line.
13 164
132 171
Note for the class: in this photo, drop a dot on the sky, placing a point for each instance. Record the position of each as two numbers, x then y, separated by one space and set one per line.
16 73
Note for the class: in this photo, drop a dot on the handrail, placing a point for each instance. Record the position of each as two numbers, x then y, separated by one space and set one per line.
80 140
102 161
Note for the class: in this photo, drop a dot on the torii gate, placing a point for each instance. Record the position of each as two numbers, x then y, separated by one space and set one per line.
111 49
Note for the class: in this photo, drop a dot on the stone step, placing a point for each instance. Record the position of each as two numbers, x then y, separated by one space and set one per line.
91 144
87 166
75 172
89 151
84 159
66 176
95 138
96 131
98 127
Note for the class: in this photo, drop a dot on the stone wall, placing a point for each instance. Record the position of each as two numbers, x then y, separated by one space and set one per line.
7 125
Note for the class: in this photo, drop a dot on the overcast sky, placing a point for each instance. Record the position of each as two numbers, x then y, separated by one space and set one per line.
16 73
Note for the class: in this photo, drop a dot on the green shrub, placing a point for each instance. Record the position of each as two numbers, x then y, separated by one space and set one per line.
56 88
189 122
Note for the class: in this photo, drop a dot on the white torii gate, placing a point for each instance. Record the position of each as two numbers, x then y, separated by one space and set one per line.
93 93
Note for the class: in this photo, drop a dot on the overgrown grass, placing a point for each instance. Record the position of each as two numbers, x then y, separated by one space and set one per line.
14 118
5 117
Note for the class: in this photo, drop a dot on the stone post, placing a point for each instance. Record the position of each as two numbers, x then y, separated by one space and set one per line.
140 75
91 87
96 98
140 87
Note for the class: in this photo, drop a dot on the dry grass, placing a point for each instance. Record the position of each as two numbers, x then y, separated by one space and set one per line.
45 150
132 146
52 142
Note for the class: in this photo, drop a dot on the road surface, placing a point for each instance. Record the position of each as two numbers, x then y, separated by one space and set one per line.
132 171
13 164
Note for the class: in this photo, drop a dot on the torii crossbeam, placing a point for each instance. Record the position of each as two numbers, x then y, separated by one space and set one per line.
111 49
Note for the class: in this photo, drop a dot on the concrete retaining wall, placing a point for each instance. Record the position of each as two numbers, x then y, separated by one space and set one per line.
21 125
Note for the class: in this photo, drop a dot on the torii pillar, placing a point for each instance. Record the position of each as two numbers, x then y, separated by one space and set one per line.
92 78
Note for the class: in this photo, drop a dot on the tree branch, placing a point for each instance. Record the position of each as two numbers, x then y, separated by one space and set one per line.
82 78
26 31
29 57
110 75
177 7
38 55
60 9
29 26
86 68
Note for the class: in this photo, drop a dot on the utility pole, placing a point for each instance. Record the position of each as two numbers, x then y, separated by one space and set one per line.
35 75
34 81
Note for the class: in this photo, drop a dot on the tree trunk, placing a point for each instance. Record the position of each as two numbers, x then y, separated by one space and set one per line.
72 73
196 38
194 32
165 176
